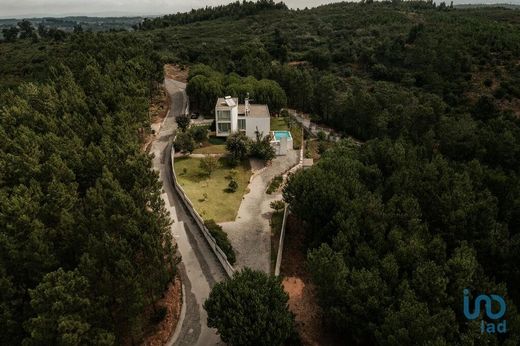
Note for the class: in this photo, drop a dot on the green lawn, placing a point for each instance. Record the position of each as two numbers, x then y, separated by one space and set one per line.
278 124
214 145
219 205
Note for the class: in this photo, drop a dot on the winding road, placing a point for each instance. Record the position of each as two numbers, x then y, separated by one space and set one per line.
199 268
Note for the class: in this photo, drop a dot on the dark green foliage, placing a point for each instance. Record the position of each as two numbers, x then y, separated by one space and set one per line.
237 144
234 10
183 122
159 315
233 185
205 85
184 143
199 133
277 205
395 235
222 240
274 184
85 243
261 148
250 309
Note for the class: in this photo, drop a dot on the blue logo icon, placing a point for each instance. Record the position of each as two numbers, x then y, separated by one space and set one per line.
488 327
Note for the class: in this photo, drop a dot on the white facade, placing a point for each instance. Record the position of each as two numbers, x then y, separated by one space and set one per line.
231 117
226 116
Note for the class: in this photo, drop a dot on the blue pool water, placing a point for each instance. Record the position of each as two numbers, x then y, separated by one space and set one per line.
282 134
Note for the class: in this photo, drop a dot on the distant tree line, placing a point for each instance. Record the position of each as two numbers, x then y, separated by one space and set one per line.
235 9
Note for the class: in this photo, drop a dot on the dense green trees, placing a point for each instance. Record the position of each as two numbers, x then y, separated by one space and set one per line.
85 242
205 85
396 235
395 229
250 309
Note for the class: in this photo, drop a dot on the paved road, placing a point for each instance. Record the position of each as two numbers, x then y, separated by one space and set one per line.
199 268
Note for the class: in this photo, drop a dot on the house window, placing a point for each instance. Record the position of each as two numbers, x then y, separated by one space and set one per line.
241 124
224 127
223 115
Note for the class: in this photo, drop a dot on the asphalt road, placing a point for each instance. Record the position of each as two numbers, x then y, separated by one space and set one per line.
199 268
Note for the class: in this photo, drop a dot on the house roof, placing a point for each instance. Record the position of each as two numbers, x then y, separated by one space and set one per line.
255 111
226 102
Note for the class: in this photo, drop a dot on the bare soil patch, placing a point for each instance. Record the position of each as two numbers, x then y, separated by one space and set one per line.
302 292
176 72
172 301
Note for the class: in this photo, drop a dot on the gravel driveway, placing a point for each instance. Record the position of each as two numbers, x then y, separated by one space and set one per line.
250 233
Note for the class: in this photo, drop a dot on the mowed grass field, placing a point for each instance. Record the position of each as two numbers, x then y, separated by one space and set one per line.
218 204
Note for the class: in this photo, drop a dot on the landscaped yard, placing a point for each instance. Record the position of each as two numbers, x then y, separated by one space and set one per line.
209 195
213 145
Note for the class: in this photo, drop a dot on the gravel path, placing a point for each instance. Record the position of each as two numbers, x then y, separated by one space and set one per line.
250 233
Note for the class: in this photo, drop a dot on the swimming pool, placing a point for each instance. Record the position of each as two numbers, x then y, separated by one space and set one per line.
282 134
281 142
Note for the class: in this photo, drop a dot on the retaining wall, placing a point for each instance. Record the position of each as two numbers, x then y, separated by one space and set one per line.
221 256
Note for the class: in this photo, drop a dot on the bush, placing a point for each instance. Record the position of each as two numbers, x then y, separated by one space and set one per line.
321 135
199 133
183 122
233 185
222 240
159 315
208 164
262 149
238 147
277 205
184 143
274 184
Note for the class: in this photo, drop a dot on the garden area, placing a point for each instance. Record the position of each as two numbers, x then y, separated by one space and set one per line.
210 193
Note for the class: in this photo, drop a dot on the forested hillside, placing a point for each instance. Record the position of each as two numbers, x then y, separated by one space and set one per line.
85 245
395 229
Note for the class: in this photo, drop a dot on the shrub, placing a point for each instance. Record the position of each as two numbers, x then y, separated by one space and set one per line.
184 143
238 147
274 184
222 240
199 133
159 315
208 164
233 185
183 122
261 148
277 205
321 135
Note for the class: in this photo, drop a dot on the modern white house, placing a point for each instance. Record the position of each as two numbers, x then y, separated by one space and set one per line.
230 117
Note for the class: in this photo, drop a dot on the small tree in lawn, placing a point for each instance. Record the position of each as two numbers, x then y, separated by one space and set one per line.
233 185
184 143
183 122
209 164
250 309
237 145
